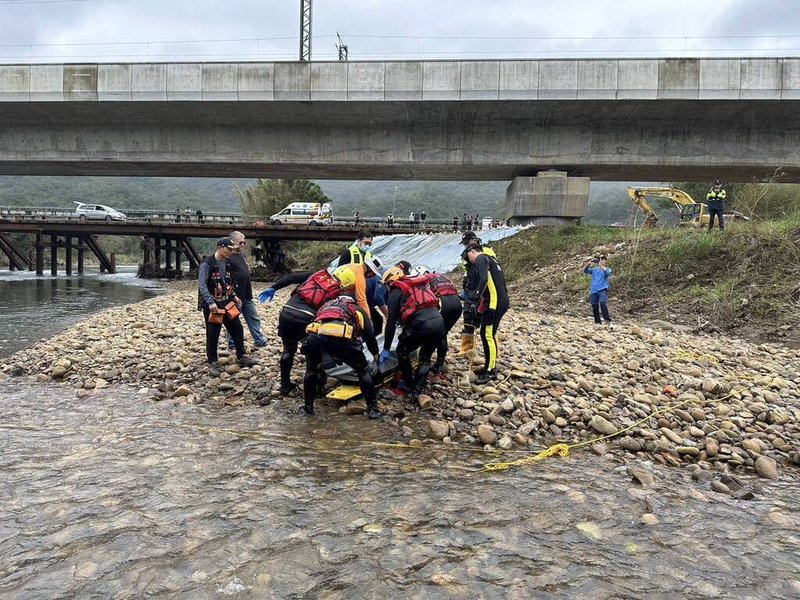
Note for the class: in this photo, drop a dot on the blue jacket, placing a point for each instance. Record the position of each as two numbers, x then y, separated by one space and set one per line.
599 278
376 292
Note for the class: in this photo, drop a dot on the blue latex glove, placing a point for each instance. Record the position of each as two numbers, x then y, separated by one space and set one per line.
267 294
462 294
383 357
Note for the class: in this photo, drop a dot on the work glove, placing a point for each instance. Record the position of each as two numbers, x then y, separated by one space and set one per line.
266 295
384 356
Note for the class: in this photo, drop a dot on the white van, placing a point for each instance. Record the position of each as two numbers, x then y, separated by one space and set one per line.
487 222
304 213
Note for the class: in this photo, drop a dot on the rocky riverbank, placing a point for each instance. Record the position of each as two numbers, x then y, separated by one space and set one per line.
718 404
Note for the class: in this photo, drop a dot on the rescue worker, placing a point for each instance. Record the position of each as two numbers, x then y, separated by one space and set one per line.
715 199
216 297
470 284
315 289
411 302
358 252
449 307
493 302
334 336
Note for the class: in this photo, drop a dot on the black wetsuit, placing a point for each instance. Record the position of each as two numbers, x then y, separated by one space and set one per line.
493 302
451 311
293 319
323 351
424 330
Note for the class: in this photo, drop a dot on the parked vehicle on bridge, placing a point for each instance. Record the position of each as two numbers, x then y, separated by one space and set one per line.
304 213
98 212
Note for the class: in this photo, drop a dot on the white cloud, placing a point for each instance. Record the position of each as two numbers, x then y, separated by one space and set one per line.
571 28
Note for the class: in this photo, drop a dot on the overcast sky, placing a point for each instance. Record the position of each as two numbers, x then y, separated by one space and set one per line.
141 30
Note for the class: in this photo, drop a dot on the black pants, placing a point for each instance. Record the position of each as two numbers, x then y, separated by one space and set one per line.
234 327
318 350
425 332
490 322
471 317
712 212
451 311
292 322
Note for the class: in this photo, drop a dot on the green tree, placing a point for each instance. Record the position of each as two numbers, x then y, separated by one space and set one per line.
268 196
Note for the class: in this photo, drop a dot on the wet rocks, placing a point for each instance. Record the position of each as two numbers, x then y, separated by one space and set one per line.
487 435
438 430
766 467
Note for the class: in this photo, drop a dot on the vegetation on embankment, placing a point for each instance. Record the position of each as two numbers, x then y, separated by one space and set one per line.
746 278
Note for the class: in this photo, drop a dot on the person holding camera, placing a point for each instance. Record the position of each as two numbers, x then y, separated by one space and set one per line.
598 288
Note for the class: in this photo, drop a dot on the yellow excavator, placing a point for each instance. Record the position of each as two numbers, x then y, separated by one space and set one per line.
692 214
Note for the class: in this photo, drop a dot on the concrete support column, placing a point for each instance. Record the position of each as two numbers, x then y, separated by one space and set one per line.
53 255
81 252
68 255
550 198
39 254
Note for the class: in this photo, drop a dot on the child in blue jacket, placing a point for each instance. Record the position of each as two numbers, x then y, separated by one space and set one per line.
598 289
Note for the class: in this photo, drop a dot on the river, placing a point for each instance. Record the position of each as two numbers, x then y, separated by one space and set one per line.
33 308
113 496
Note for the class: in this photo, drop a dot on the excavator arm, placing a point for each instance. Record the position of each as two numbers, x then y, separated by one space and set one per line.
690 210
639 200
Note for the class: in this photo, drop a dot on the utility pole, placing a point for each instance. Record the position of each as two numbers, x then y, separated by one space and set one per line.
394 202
342 48
305 30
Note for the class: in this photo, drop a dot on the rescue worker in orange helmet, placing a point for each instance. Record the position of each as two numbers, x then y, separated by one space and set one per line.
411 302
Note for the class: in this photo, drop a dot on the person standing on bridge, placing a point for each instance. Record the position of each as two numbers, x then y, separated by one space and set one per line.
200 218
715 199
422 217
220 305
177 215
240 272
390 221
356 218
358 252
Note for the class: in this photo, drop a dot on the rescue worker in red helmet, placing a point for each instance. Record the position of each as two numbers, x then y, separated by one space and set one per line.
449 307
314 290
336 335
411 302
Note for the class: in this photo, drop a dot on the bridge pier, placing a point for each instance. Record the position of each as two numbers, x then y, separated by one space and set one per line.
174 249
550 198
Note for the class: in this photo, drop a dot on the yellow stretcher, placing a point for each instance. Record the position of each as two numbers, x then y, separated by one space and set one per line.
348 390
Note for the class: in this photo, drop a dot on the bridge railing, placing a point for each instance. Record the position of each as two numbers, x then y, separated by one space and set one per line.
231 219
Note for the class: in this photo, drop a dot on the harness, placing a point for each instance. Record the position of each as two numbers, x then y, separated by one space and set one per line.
417 295
318 289
338 318
441 285
222 289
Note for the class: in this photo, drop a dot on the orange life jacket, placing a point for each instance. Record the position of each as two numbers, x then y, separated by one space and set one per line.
441 285
318 289
417 295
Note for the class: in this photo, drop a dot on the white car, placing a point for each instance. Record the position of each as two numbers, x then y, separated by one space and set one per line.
98 212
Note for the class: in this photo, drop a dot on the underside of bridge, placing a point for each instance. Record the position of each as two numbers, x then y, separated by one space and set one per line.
616 140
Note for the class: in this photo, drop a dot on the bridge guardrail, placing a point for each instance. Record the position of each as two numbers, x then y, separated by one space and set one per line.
232 219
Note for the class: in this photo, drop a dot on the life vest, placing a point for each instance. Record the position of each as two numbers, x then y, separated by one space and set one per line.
318 289
338 318
358 256
222 289
441 285
417 295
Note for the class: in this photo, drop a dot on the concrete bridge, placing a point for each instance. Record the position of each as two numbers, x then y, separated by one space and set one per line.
607 119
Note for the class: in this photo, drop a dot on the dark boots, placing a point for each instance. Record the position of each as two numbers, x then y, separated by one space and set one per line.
287 358
487 376
370 395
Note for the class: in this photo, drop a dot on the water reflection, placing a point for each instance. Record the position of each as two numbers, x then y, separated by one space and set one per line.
33 308
113 496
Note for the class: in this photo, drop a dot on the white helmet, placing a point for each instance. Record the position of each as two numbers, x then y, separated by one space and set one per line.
421 270
375 265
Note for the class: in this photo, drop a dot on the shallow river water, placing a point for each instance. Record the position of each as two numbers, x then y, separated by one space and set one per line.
113 496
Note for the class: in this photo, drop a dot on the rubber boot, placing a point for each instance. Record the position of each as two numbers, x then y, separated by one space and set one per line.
367 385
419 380
287 387
309 389
322 379
467 344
